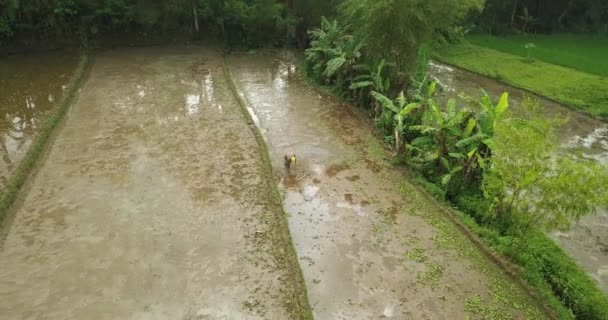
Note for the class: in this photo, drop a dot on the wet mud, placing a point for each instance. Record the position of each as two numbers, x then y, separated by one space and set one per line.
30 86
149 205
587 241
370 245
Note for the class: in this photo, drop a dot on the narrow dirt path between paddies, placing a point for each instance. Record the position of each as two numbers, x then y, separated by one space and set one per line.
151 204
370 244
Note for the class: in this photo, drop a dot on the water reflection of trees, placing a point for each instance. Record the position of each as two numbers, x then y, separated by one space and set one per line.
282 72
18 127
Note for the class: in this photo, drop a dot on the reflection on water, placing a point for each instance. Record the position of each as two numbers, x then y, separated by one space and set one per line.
192 103
202 90
208 85
593 146
587 242
30 85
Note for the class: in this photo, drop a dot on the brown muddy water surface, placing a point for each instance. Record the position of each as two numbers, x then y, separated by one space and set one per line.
150 205
587 241
370 245
30 86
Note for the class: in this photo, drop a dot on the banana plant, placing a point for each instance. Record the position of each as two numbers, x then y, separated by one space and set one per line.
440 131
451 172
394 113
347 51
469 146
324 40
492 113
420 78
373 79
345 56
478 136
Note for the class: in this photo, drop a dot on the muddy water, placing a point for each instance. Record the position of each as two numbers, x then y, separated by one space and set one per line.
150 204
370 245
587 242
30 85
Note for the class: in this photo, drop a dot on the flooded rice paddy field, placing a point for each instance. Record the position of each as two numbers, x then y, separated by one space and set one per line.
30 86
150 204
370 245
587 241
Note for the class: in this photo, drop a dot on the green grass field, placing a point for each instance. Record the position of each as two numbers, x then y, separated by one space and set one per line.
585 91
585 53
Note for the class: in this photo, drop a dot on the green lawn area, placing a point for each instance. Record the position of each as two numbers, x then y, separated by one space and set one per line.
585 91
585 53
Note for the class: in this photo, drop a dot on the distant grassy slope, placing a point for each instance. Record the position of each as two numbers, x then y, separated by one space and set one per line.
585 53
577 89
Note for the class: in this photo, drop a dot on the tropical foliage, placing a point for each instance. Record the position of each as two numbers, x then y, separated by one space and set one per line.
531 184
238 22
333 54
505 172
396 28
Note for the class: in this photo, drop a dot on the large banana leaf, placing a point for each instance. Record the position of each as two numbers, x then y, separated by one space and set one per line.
436 113
385 102
362 77
334 65
459 156
386 85
423 128
422 141
409 108
486 124
486 103
431 89
474 139
445 179
401 100
502 106
361 84
470 126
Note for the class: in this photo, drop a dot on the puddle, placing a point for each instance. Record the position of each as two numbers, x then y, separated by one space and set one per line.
581 135
30 85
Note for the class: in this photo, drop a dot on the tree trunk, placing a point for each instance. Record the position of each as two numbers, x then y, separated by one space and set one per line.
560 20
398 142
515 3
195 13
377 110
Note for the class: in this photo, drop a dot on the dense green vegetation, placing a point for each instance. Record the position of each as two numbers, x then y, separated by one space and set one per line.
577 89
276 21
585 53
543 16
238 22
504 173
396 28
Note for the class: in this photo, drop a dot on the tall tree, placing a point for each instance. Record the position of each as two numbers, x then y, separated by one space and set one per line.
396 28
195 14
